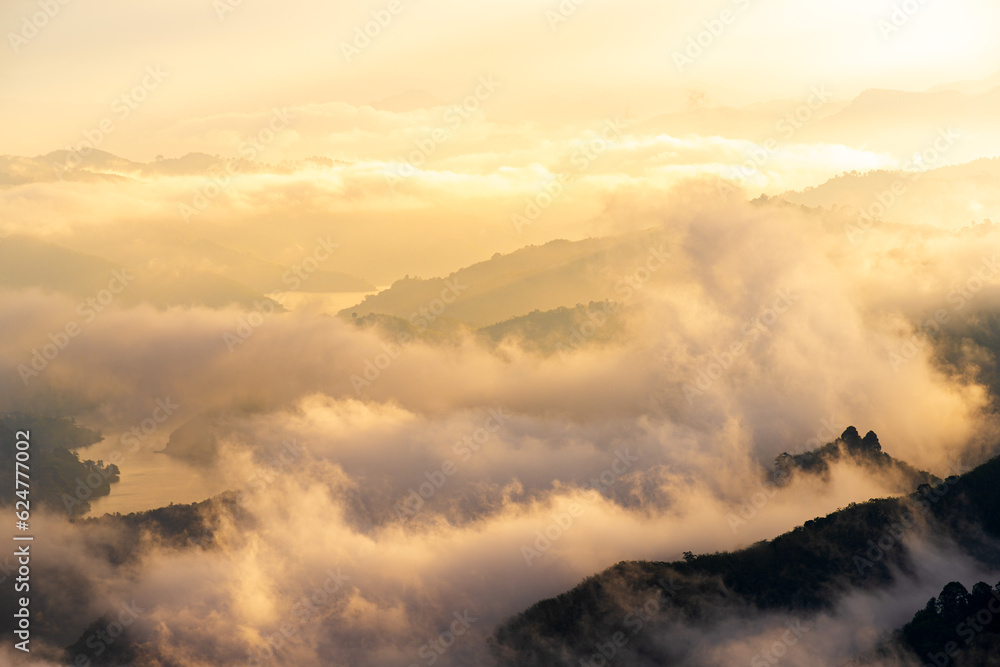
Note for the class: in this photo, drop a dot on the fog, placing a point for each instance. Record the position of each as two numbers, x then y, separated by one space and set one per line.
432 483
443 336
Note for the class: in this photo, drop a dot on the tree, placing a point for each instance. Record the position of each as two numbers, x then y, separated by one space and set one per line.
953 601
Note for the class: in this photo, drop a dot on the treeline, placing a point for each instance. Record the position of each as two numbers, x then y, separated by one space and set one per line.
60 481
801 572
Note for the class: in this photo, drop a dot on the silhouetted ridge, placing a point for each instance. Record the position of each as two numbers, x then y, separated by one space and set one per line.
866 452
801 572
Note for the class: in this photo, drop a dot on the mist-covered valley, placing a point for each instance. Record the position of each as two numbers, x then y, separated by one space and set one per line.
532 357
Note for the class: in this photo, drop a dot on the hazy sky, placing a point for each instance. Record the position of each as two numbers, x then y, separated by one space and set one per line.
606 56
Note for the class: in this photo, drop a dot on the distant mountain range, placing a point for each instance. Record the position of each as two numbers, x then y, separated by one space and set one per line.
968 109
951 197
559 274
211 275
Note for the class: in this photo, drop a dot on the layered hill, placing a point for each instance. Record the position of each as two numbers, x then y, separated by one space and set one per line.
951 197
59 480
850 447
559 274
171 273
27 262
803 572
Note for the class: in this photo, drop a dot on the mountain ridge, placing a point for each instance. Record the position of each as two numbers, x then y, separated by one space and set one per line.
803 571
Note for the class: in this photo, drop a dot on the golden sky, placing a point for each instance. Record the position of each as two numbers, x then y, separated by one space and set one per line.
226 56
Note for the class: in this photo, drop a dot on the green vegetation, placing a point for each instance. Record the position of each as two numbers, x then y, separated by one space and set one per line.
958 625
850 445
560 329
970 345
559 274
56 469
803 571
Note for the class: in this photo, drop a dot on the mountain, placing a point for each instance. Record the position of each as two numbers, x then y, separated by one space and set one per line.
544 332
261 275
26 262
801 573
918 117
804 571
559 274
973 339
958 627
59 480
850 446
63 591
756 122
552 331
98 165
975 87
950 197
